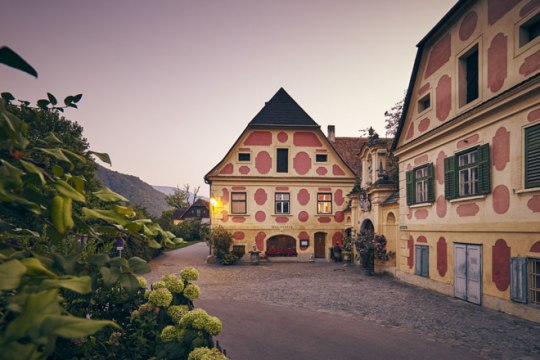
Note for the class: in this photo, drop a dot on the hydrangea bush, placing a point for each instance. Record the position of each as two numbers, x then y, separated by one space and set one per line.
169 327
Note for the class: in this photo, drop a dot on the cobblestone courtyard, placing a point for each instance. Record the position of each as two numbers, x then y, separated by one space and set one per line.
345 291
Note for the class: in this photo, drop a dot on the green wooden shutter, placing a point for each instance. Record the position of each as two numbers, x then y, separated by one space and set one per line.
532 157
430 183
411 196
518 279
450 189
484 167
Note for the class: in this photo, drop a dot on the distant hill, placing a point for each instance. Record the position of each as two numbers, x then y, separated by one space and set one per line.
169 190
134 189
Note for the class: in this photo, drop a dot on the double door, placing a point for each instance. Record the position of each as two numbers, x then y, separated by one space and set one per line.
468 272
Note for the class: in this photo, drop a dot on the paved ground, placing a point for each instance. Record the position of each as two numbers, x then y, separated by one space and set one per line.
327 311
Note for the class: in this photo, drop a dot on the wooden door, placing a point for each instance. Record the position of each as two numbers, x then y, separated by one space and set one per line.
460 271
320 245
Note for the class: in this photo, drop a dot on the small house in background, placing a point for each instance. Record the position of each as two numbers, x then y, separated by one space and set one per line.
199 210
468 145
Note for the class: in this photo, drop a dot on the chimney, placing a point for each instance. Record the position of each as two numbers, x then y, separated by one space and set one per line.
331 133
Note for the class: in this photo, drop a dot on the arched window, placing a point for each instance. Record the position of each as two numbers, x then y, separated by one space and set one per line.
391 219
281 245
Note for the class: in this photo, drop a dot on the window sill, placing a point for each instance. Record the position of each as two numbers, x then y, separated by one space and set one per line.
329 214
468 198
239 214
424 204
282 215
525 191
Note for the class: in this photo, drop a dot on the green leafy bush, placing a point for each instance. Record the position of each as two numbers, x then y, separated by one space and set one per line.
221 242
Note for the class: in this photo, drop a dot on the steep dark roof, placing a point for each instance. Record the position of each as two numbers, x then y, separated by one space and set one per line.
281 111
349 150
456 8
177 214
201 202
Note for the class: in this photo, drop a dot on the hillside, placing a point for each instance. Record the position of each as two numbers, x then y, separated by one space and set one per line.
137 191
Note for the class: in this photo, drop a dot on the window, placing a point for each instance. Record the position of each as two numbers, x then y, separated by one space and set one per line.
324 203
421 266
424 103
525 280
468 76
321 158
532 157
239 250
529 31
238 203
534 281
420 185
467 173
282 160
282 203
244 157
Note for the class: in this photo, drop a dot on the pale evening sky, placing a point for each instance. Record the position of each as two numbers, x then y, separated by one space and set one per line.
169 85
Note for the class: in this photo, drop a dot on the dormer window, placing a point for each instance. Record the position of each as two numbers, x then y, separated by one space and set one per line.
468 76
321 158
529 30
424 103
244 157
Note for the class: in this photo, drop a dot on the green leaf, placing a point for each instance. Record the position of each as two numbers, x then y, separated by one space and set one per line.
77 98
68 100
11 273
57 171
7 96
35 309
138 265
133 227
118 261
12 59
81 285
110 276
102 156
57 153
52 99
43 103
31 168
98 259
10 176
52 138
78 182
123 210
107 215
17 351
129 282
68 191
154 244
107 195
34 267
72 327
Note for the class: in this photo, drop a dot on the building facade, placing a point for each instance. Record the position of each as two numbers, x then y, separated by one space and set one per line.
469 158
282 185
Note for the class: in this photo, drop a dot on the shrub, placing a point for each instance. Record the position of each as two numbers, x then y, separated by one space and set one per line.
228 259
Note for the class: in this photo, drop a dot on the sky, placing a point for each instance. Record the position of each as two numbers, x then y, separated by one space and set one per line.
168 86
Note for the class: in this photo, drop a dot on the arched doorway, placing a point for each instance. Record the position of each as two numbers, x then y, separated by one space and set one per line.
281 245
367 226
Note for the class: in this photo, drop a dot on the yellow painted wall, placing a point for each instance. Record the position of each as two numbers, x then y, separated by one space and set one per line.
303 181
509 212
